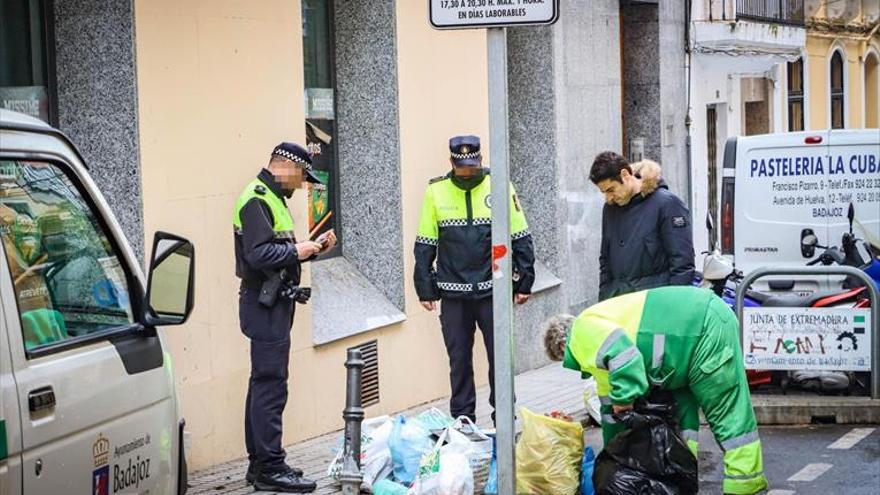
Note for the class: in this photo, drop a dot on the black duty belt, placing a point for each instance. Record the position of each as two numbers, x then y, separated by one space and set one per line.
252 283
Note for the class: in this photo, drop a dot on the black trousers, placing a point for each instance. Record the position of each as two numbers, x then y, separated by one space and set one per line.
458 319
269 332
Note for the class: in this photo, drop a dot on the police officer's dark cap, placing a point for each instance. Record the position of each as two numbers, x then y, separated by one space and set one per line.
465 151
298 155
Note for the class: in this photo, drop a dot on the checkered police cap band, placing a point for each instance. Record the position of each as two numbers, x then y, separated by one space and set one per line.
292 157
464 156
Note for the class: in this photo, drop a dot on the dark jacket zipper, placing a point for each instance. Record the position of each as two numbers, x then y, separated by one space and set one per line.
470 207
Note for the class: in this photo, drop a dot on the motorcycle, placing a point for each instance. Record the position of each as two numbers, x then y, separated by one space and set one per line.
720 275
855 295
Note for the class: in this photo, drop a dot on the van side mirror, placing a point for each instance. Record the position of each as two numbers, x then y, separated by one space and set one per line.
171 281
809 241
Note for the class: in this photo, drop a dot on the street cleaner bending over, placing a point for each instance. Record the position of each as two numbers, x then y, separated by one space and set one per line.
684 339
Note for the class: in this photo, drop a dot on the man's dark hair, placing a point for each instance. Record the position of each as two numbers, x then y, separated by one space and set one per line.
608 165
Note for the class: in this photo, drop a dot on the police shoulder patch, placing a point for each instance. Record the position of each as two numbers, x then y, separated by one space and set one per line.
679 222
437 179
260 189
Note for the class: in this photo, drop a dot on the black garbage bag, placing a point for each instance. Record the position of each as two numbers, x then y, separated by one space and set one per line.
649 458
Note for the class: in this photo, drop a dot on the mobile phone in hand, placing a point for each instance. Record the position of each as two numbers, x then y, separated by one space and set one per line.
323 239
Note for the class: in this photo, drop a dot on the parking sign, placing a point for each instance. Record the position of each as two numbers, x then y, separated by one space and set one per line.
473 14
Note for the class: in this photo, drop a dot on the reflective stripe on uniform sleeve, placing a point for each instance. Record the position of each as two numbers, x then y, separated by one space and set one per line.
622 359
603 349
426 240
659 350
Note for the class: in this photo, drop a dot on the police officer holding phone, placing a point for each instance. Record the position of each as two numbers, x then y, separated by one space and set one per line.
268 260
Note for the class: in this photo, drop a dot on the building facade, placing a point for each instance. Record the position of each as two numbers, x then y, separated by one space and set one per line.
839 66
775 66
738 50
177 104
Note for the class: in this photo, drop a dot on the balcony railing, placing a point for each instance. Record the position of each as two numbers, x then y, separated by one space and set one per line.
789 12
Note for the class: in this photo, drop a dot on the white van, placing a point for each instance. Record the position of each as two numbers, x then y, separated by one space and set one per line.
87 398
776 188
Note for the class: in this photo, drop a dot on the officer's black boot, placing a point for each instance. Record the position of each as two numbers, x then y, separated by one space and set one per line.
253 468
283 481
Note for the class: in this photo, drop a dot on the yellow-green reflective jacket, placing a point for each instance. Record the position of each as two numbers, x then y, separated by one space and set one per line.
263 226
455 229
632 340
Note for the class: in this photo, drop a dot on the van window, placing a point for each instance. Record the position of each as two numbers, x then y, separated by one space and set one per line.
68 281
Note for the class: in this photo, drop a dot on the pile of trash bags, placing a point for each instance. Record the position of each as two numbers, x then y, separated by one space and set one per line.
428 454
650 457
435 454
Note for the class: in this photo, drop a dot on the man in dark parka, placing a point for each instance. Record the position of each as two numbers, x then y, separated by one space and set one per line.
647 237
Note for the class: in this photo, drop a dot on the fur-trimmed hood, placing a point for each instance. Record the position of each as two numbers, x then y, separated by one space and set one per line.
650 173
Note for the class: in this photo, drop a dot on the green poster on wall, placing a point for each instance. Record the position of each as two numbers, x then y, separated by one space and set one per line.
319 203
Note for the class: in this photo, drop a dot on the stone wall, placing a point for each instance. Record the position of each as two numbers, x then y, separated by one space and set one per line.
97 101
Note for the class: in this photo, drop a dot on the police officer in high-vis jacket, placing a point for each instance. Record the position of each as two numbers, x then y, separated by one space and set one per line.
455 230
681 339
267 259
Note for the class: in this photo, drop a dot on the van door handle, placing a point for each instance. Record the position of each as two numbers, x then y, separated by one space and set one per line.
41 399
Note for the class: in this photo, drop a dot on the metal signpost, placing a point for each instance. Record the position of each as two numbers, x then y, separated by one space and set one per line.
497 15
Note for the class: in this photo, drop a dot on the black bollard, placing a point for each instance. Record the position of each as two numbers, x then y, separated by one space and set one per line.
350 478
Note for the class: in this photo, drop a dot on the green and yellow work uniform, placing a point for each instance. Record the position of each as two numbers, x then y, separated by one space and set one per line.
455 230
685 340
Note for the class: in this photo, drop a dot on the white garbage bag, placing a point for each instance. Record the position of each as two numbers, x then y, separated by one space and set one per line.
446 470
591 400
478 449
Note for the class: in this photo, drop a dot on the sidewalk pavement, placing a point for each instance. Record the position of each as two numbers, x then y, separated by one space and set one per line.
542 390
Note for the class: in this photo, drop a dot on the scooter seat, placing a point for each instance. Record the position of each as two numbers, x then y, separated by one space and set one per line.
791 300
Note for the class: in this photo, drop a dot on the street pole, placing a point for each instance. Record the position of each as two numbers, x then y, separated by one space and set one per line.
502 298
350 478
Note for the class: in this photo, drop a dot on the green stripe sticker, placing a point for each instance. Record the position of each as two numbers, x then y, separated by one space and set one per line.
4 451
859 319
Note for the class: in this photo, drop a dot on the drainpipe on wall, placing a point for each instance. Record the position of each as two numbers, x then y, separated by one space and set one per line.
687 118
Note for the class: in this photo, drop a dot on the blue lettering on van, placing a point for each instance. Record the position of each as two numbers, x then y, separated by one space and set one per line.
863 164
827 212
814 165
787 166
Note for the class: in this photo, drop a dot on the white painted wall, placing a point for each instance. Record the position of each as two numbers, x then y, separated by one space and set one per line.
716 80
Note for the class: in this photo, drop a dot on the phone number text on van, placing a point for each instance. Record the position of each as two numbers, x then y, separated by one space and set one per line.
813 165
